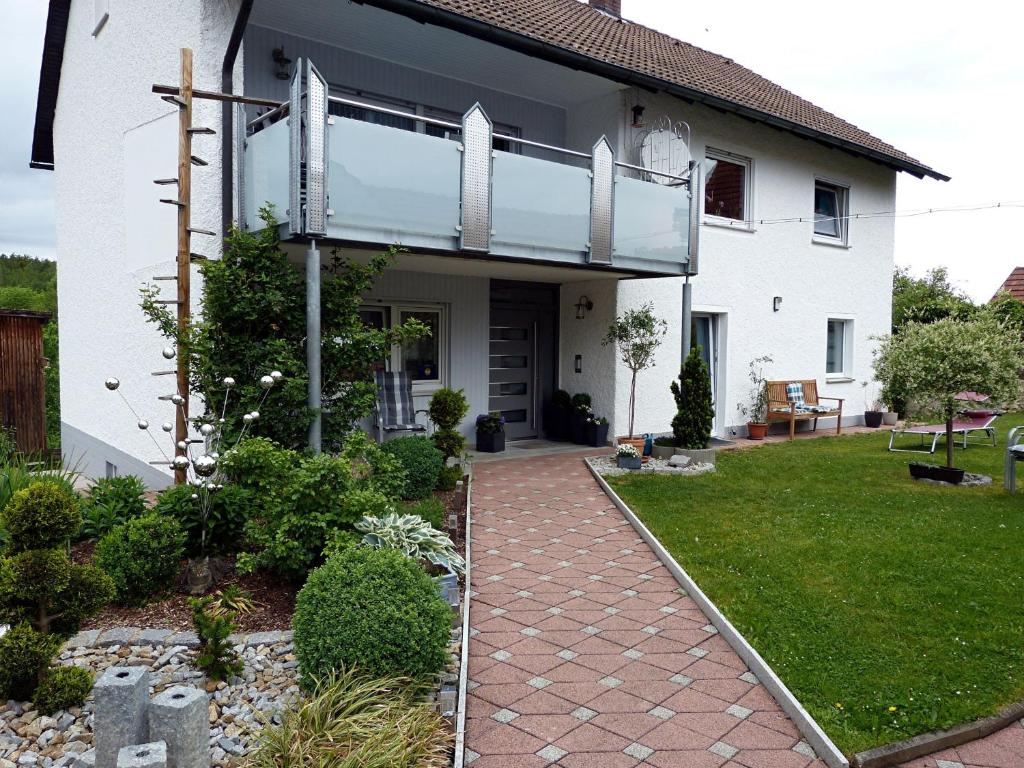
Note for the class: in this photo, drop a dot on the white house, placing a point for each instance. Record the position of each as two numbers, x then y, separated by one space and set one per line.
526 234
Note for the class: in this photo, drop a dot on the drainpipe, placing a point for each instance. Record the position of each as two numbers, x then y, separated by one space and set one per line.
227 85
313 394
687 319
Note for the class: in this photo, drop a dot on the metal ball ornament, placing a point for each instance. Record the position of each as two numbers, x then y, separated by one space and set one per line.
168 353
112 384
276 375
180 462
206 430
177 399
266 382
167 426
204 466
143 424
228 382
255 415
247 419
181 445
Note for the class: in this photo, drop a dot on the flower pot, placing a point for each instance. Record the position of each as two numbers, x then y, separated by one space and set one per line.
890 418
922 471
556 422
597 434
628 462
663 451
490 442
873 419
578 428
756 430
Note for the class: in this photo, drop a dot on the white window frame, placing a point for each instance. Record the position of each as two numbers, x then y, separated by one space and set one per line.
846 373
393 310
842 192
721 155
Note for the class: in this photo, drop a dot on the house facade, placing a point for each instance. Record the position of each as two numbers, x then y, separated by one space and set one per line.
545 164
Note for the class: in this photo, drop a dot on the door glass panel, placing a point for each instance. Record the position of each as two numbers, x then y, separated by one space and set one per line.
515 417
505 389
700 336
421 357
508 361
509 334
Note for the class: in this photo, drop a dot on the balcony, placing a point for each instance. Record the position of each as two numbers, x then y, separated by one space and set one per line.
450 188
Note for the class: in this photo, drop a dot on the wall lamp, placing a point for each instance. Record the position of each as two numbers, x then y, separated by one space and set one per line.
282 62
776 303
583 306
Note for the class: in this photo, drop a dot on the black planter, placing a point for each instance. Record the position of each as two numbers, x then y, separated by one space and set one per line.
597 435
556 422
873 419
490 442
934 472
578 428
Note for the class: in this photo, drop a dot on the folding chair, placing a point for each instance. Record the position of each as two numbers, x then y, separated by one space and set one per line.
395 412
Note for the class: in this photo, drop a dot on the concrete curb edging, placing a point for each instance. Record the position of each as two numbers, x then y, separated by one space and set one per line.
460 718
927 743
802 719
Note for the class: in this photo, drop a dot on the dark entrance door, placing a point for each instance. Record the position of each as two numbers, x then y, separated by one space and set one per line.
522 354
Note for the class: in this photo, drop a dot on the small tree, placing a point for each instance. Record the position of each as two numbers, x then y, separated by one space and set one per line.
931 363
636 334
448 407
695 410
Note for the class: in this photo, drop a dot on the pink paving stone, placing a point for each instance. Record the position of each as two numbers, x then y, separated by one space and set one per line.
552 495
771 759
749 735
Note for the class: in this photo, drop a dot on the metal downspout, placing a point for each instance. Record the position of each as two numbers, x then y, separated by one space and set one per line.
313 391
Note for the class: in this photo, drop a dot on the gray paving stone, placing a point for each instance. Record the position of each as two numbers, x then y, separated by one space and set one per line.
583 713
638 750
722 749
116 636
551 753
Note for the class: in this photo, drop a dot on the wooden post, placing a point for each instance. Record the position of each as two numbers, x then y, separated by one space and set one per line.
184 250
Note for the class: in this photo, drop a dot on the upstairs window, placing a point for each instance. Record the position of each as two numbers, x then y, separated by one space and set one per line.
727 186
830 212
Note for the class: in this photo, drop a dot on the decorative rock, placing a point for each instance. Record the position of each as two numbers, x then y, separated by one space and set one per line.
116 636
86 638
188 639
86 759
679 460
152 636
150 755
122 696
179 717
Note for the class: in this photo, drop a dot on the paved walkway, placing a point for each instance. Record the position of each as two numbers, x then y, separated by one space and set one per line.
585 653
1003 749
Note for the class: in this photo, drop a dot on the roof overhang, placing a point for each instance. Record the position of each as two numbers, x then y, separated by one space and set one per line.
49 84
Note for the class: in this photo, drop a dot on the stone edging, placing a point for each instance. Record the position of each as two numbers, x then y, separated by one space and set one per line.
808 727
460 715
927 743
97 638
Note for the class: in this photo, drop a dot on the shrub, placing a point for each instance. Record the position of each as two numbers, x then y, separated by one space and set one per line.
449 477
351 720
374 467
448 407
112 501
695 411
561 399
216 656
581 401
24 656
422 463
62 688
41 516
142 557
89 590
430 509
223 527
414 537
374 609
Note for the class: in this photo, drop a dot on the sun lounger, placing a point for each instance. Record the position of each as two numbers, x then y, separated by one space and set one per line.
965 423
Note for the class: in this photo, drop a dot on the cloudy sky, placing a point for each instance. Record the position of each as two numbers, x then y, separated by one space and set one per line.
943 82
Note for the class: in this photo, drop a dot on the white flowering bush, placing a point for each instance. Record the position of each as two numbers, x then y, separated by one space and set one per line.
627 451
931 364
412 536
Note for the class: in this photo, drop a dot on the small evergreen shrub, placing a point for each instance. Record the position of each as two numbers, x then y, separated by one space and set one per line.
216 656
448 407
142 557
449 477
224 526
581 401
422 463
62 688
695 410
24 656
41 516
374 609
112 501
430 509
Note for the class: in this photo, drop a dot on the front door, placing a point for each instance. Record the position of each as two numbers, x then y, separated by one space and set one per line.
513 371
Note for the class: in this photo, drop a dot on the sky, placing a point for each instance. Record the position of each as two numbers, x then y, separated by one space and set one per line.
943 82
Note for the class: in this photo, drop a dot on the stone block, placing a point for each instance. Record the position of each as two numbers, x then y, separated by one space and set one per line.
150 755
679 460
179 717
120 712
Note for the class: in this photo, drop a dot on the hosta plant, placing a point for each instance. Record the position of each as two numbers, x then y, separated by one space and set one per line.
412 536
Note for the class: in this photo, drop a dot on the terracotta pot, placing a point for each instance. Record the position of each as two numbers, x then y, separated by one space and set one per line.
756 431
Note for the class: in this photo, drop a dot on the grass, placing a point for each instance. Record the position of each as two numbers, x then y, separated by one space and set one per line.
889 608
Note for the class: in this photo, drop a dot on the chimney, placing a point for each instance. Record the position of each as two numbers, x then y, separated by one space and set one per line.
611 7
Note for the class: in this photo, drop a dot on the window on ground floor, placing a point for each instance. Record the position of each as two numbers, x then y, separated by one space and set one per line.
839 348
422 359
831 212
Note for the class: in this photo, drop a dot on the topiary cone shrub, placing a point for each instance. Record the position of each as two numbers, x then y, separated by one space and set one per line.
42 594
448 407
374 609
695 410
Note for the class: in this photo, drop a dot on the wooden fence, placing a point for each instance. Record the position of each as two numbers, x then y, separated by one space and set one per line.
22 385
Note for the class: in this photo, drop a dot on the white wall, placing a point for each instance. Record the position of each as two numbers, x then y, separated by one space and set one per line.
583 337
740 271
104 122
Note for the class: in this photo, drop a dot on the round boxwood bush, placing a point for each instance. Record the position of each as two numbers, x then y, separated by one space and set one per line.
142 556
374 609
62 688
41 516
24 654
422 462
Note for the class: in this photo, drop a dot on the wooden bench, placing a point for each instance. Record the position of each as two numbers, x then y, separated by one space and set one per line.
781 409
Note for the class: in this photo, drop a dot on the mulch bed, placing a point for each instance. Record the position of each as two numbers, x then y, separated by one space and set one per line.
275 598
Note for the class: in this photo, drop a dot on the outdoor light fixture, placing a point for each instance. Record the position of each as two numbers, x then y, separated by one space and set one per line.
282 61
638 115
579 363
776 303
583 306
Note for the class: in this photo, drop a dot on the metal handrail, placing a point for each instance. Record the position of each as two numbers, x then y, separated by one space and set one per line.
641 169
395 112
280 107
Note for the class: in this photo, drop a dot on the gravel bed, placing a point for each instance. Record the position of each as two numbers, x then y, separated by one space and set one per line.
607 466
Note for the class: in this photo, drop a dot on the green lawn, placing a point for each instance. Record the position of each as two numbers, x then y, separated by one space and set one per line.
889 608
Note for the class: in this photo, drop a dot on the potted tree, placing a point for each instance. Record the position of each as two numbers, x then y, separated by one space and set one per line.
490 432
872 413
597 431
890 415
756 411
627 456
579 414
637 335
557 415
932 363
